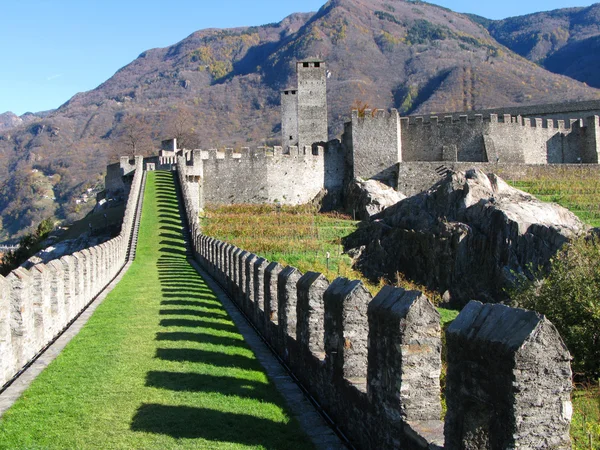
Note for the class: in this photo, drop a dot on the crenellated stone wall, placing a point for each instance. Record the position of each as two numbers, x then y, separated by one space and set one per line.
37 304
374 363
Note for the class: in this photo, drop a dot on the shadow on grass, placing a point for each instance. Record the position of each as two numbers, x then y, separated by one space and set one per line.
189 323
187 292
189 297
187 422
198 303
174 251
193 312
202 338
217 359
195 382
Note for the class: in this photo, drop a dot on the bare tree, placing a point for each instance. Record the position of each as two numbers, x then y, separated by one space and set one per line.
132 135
180 124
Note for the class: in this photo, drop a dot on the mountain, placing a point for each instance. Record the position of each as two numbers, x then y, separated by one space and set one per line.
411 55
564 41
10 120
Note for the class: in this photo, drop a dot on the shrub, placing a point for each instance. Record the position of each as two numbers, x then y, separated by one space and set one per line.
569 295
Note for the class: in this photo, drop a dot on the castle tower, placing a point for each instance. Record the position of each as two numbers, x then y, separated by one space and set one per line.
289 118
312 102
304 110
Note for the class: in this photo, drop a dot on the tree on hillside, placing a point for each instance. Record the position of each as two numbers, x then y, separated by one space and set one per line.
133 136
180 124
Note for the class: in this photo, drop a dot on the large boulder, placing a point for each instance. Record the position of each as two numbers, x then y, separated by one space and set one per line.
471 234
370 197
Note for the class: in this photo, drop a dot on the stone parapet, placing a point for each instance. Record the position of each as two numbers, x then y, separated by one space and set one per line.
36 305
374 365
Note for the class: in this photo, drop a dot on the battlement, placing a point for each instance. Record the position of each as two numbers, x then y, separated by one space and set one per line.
262 153
505 119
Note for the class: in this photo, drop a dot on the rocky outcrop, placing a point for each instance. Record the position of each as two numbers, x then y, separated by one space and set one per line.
470 234
367 198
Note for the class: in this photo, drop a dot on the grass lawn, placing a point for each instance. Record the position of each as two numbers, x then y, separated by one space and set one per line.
577 191
159 365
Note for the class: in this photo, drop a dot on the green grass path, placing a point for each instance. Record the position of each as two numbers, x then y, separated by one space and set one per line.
159 365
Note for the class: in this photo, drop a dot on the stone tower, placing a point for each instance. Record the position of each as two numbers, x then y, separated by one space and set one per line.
304 110
312 102
289 118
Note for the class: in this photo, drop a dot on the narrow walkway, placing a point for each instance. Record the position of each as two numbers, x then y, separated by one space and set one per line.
160 364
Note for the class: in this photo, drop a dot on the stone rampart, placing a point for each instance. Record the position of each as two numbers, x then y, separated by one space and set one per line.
493 138
263 175
374 363
37 304
375 138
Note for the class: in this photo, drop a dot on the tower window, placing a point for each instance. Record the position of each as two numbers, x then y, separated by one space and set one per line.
291 138
293 92
305 64
317 64
287 92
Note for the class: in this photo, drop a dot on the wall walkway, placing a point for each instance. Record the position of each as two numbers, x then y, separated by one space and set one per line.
160 364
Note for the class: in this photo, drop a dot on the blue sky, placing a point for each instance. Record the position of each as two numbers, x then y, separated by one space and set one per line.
52 49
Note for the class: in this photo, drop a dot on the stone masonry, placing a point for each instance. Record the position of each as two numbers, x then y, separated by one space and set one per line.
375 369
38 304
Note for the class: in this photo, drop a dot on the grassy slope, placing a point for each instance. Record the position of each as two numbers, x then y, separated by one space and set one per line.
577 191
159 365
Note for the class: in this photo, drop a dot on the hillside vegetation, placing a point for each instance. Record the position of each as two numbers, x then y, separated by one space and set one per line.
410 55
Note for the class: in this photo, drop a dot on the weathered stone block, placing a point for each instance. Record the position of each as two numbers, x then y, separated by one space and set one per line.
260 264
404 362
7 361
57 294
22 319
249 303
311 312
42 310
241 282
346 321
272 272
287 299
509 380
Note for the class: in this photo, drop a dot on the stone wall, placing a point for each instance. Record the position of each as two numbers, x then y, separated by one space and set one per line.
263 175
37 304
558 111
492 138
415 177
374 363
374 137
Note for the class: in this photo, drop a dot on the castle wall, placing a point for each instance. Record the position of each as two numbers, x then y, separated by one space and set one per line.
591 153
263 175
491 138
38 304
376 145
376 370
557 111
289 118
312 103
